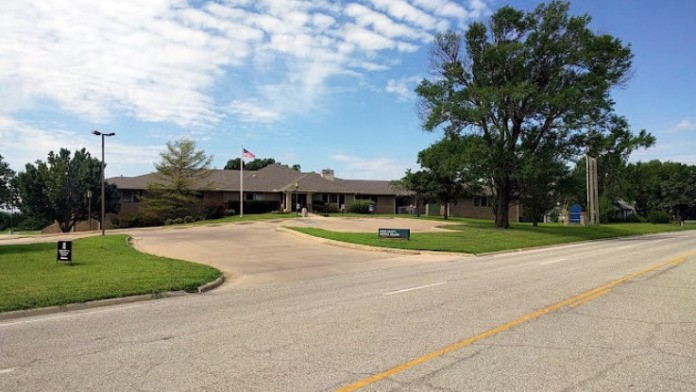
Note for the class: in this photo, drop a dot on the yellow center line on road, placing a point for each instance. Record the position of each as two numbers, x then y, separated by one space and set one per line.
570 302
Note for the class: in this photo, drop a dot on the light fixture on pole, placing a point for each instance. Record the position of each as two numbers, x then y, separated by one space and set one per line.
103 204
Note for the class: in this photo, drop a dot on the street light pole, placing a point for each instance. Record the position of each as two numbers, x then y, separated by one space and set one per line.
103 204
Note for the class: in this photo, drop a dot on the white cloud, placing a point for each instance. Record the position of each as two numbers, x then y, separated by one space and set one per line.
685 125
26 143
250 111
370 168
162 60
401 9
443 8
403 87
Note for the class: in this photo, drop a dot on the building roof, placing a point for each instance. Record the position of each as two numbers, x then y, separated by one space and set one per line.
272 178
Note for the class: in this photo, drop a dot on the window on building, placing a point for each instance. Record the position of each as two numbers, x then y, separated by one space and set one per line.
480 201
368 197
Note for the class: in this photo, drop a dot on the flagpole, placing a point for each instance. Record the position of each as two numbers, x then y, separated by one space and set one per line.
241 184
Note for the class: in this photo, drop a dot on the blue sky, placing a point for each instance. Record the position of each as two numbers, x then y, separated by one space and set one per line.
322 83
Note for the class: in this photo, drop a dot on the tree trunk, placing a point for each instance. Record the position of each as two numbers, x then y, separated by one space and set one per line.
502 207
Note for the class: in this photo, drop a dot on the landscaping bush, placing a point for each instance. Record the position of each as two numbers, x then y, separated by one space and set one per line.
169 222
230 212
214 212
137 219
319 206
361 206
658 217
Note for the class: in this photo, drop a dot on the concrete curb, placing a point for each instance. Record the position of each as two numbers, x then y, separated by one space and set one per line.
369 248
211 285
88 305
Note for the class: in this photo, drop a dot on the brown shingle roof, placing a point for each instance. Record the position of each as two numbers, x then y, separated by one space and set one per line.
272 178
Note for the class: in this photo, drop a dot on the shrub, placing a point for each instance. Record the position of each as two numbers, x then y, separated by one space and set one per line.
189 219
169 222
137 219
230 212
361 206
214 212
658 217
178 221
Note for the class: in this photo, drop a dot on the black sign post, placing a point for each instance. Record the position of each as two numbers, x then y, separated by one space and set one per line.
64 251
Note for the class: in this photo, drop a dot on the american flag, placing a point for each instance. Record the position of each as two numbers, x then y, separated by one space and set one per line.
247 154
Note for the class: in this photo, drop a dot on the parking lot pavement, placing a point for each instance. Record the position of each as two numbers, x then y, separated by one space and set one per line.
255 253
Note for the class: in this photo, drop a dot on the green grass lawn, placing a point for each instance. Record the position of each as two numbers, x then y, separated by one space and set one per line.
21 232
480 236
103 267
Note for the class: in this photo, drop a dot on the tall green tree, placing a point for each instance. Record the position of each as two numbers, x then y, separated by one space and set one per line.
679 191
544 179
612 146
420 183
523 80
256 164
6 176
56 190
445 176
181 174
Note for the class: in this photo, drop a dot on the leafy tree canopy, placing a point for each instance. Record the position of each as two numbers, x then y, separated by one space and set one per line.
6 176
57 189
449 177
182 171
520 83
256 164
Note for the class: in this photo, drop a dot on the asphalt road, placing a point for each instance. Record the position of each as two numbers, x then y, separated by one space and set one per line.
517 321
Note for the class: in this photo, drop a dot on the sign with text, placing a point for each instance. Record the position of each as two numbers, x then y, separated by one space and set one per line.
64 251
394 233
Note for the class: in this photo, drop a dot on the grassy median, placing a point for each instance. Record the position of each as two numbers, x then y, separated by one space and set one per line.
478 236
103 267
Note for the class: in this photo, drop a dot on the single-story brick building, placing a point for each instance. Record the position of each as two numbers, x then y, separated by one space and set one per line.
290 187
277 183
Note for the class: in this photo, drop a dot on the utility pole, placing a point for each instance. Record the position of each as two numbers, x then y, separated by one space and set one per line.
592 191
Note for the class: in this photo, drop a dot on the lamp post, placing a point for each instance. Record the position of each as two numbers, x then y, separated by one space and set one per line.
103 204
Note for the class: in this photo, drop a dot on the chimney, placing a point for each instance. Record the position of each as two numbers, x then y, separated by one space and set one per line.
327 174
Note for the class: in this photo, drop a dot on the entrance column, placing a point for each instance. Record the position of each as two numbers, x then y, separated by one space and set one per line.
309 201
288 202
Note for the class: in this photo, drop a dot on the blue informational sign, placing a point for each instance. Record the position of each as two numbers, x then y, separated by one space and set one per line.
575 213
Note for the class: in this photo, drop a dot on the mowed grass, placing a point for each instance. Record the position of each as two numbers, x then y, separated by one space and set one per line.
478 236
103 267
